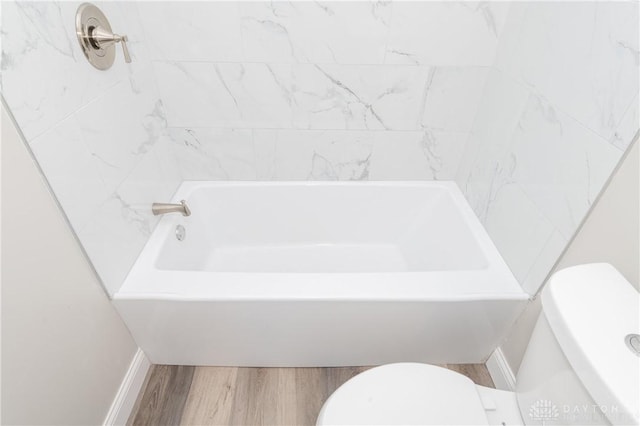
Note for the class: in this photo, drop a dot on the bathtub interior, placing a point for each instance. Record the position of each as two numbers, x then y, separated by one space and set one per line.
308 228
320 274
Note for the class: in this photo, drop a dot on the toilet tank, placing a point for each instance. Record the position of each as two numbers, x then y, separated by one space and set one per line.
579 367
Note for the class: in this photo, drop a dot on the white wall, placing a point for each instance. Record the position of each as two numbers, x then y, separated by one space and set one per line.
559 109
610 234
65 350
99 136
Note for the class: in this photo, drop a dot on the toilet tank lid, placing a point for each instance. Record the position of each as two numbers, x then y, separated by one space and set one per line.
592 309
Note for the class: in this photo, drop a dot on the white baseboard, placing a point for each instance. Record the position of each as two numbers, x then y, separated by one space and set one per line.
500 371
128 393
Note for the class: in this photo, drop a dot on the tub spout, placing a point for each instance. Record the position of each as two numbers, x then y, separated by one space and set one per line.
163 208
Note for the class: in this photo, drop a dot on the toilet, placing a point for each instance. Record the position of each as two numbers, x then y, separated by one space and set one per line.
581 367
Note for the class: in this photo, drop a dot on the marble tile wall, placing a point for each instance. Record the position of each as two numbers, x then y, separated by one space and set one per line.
560 107
239 90
529 106
100 137
321 90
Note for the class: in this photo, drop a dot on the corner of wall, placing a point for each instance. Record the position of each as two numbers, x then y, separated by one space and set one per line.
610 233
54 311
127 395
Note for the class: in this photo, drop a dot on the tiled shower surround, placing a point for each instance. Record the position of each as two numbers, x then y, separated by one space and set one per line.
342 90
560 107
527 105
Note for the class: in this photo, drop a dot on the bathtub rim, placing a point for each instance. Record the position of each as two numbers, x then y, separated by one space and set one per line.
462 298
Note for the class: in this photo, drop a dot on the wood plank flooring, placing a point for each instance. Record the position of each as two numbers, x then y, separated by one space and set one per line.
183 395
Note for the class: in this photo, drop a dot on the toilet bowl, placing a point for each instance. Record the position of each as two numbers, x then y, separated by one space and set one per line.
577 369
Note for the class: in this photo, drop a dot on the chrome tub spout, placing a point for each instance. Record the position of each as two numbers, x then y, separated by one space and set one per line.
163 208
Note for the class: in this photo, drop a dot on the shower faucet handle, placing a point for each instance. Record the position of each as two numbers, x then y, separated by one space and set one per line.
96 37
125 50
103 38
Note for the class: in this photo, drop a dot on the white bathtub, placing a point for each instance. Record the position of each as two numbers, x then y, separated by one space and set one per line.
320 274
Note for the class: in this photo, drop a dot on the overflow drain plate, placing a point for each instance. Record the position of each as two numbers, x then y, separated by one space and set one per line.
181 233
633 343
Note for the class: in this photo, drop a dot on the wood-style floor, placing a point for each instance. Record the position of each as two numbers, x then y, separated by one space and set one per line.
179 395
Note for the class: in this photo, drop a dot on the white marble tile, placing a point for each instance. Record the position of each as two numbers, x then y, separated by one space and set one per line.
146 184
389 97
357 155
129 124
510 34
359 96
192 31
45 74
581 56
113 240
561 165
517 228
628 127
528 161
482 163
545 262
445 33
168 162
70 170
315 32
424 155
452 98
323 155
214 154
117 231
199 94
264 145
